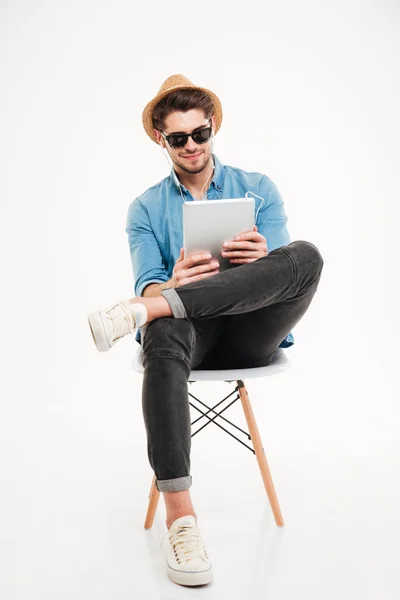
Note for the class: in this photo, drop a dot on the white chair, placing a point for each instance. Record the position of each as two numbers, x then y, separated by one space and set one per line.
279 364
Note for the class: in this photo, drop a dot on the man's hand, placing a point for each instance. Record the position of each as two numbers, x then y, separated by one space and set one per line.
188 270
247 247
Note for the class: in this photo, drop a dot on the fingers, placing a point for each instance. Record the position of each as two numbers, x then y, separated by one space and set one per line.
245 248
191 260
252 246
193 273
250 235
181 256
243 254
199 269
197 277
242 261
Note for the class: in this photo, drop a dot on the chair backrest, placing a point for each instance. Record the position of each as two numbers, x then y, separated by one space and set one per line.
279 363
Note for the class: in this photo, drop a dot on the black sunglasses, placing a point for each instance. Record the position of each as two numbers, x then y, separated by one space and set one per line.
179 140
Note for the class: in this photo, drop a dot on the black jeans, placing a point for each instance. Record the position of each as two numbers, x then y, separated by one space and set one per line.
235 319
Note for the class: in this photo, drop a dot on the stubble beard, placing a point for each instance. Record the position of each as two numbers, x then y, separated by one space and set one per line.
196 169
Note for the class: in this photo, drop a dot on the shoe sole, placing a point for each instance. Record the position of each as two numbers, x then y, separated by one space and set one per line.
199 578
98 332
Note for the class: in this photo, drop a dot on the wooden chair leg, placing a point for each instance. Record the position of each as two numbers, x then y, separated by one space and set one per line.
259 450
153 502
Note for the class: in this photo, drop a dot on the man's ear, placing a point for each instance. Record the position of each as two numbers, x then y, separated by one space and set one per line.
213 123
158 137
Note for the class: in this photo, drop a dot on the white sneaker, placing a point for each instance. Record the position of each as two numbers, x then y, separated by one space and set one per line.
188 563
110 325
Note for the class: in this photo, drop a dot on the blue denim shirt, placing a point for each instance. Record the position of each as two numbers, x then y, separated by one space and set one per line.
155 228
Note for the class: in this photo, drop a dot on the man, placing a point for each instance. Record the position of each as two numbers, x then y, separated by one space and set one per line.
191 315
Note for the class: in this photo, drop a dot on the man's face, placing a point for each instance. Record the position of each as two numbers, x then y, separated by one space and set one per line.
187 122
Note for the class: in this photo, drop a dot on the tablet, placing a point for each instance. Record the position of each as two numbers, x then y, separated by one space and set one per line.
207 224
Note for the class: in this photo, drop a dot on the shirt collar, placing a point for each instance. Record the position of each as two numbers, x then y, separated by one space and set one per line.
217 180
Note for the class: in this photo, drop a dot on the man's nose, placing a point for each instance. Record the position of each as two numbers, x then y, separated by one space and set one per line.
190 145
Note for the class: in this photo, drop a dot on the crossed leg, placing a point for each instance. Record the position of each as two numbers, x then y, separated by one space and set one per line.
235 319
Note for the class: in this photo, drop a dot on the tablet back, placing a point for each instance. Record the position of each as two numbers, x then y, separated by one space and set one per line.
209 223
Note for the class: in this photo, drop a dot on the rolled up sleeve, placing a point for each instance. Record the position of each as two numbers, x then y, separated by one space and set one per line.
146 258
271 219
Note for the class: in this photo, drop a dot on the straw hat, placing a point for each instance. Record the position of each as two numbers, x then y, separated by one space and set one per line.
177 82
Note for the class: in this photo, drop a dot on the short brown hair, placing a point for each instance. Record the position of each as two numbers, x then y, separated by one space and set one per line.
182 100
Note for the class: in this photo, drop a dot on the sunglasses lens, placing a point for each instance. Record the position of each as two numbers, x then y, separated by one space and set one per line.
202 136
178 141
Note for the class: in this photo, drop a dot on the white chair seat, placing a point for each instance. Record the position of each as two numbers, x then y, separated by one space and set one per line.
279 363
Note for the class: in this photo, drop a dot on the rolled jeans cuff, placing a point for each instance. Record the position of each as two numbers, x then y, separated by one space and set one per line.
174 485
176 305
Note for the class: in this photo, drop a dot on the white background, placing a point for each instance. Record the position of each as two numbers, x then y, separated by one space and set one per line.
311 96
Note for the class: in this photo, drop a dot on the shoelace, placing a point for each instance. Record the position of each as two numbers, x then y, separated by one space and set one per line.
122 324
186 543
